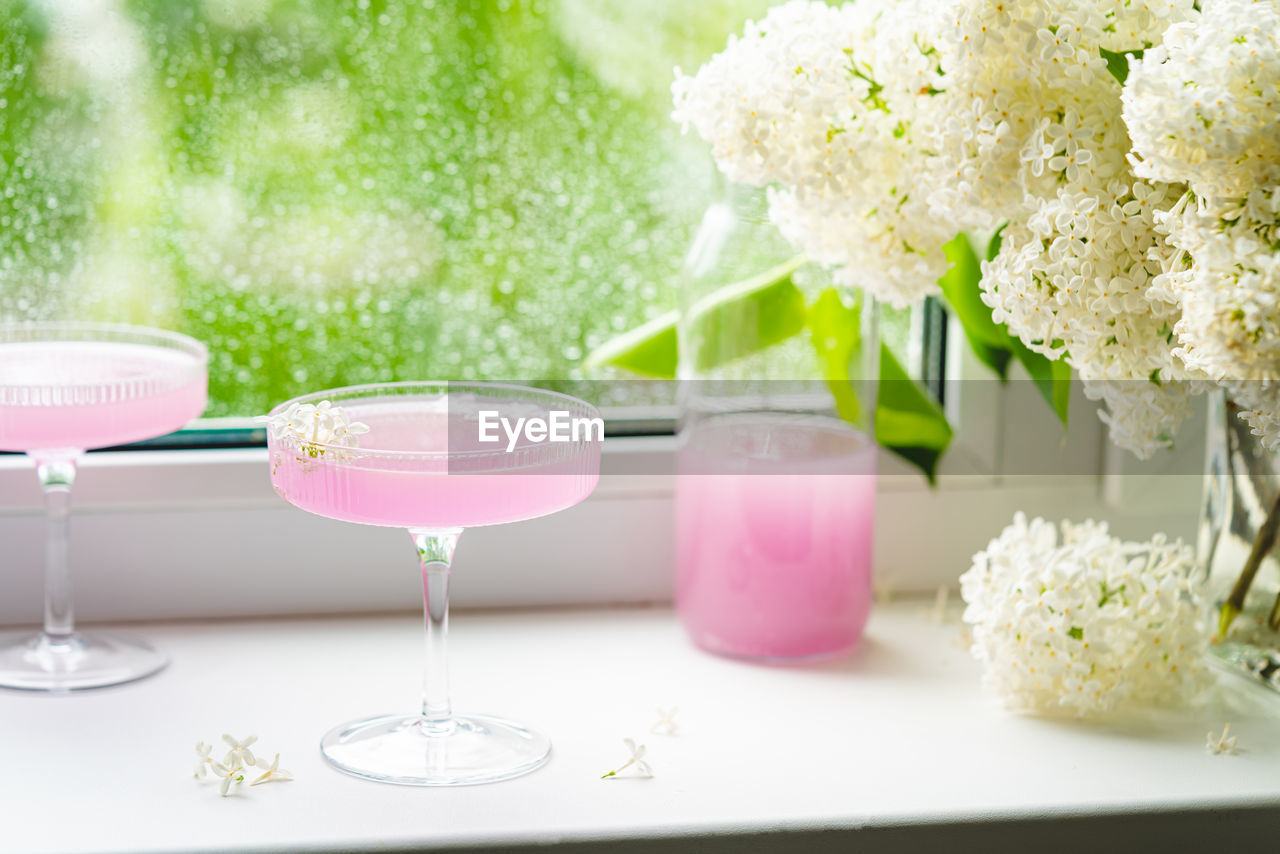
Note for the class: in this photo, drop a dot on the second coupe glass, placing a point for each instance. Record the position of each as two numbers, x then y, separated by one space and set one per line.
65 388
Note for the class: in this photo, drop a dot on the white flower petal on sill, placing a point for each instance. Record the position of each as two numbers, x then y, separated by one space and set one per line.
274 773
229 774
1219 744
666 722
636 758
202 759
239 754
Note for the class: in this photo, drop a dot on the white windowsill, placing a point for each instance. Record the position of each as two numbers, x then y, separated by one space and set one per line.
161 535
897 736
164 535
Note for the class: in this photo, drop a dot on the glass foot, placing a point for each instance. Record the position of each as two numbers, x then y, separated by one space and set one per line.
405 749
35 663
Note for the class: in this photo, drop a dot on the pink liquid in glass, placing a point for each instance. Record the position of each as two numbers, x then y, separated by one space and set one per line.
58 395
421 465
774 520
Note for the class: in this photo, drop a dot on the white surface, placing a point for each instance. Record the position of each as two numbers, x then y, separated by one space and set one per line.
899 732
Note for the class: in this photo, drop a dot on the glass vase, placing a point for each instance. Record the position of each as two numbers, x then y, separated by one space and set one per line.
775 495
1239 521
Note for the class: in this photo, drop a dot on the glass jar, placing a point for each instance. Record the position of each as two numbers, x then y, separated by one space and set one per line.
775 498
1239 521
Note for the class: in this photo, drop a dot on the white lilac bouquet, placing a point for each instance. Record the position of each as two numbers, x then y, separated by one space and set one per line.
1125 157
1122 162
883 127
1140 221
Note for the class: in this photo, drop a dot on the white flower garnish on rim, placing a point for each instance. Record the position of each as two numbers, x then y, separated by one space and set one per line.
314 425
637 752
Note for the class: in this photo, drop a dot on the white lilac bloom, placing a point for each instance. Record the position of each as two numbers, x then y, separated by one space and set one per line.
1076 281
1260 409
1228 290
315 425
1201 106
1143 416
1029 103
1032 135
828 107
1133 25
1084 624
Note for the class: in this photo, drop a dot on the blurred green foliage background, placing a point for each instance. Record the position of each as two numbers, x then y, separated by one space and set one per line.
330 193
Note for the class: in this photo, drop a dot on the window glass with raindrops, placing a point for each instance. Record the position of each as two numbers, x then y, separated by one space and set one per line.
340 192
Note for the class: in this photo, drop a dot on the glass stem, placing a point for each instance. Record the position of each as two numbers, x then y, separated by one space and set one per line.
435 554
57 474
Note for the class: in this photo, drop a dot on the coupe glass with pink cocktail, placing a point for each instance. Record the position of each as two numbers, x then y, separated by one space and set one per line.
434 458
66 388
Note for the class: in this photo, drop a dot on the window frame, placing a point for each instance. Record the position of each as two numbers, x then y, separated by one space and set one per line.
175 534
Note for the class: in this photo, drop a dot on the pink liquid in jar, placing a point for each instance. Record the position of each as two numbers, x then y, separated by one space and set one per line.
774 518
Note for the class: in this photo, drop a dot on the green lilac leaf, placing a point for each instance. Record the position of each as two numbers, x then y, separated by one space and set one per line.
1051 377
1118 62
763 310
961 287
